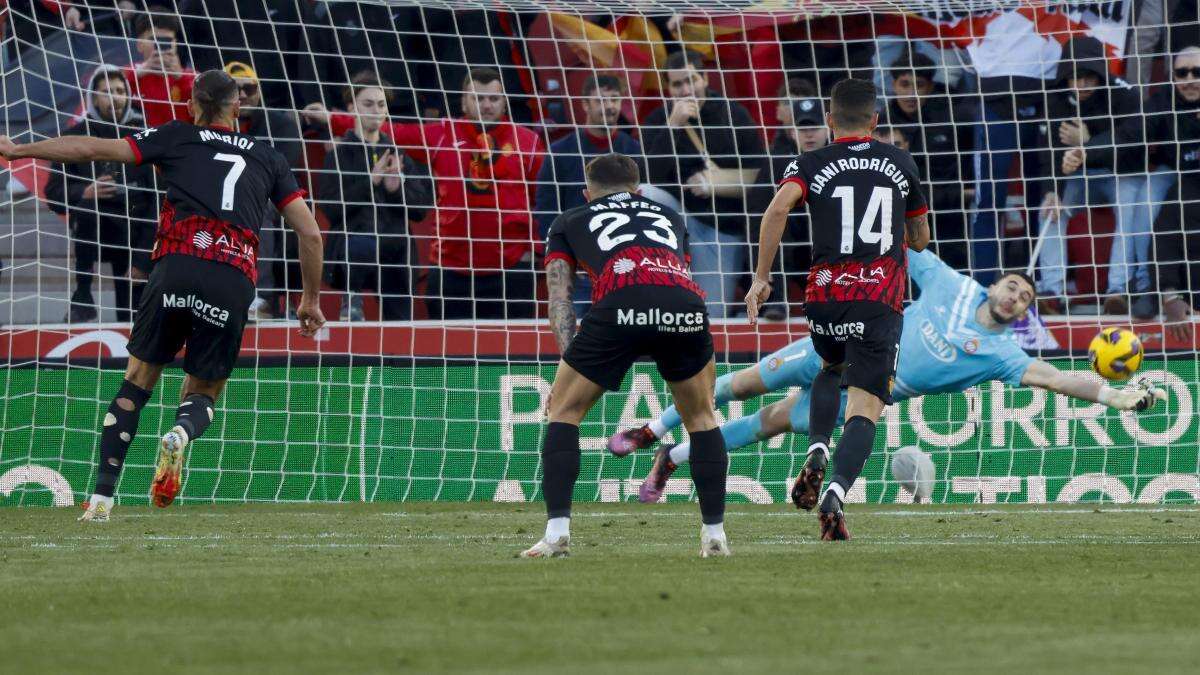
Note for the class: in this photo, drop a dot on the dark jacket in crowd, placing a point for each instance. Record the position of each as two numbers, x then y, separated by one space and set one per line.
277 127
128 217
782 151
732 140
353 205
1168 133
1112 103
272 35
941 148
560 181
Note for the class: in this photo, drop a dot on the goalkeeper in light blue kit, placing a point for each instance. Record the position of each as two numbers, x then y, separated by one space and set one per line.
956 335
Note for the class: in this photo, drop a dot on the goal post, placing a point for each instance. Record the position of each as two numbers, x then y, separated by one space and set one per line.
391 403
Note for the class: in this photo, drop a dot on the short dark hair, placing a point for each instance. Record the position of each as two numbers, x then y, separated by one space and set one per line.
684 58
366 79
596 82
156 17
214 90
613 170
914 63
852 103
1022 275
797 87
482 76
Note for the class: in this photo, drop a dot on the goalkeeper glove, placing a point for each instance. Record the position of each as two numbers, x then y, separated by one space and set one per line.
1140 396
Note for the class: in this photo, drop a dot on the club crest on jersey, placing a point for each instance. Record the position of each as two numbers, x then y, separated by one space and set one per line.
971 345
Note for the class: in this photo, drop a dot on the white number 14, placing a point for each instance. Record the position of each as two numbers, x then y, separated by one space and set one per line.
879 208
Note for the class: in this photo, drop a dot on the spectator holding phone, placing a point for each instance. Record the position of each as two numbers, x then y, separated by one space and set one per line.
160 82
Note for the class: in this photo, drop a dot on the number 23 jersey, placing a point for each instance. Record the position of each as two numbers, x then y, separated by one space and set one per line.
624 241
218 185
859 193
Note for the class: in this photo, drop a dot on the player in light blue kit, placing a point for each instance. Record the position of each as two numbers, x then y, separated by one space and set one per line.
957 335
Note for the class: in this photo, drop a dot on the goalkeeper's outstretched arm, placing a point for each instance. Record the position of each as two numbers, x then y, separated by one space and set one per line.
1141 395
69 149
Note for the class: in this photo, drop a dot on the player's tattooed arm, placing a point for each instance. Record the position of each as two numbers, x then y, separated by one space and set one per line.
70 149
916 232
1141 395
560 281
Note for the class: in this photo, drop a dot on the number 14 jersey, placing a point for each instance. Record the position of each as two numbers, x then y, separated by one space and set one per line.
859 193
624 241
218 184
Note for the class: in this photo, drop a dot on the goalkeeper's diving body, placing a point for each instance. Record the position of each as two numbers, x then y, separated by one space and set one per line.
958 334
218 184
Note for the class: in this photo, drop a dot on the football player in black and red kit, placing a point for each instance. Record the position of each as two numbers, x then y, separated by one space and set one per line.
644 303
865 205
219 183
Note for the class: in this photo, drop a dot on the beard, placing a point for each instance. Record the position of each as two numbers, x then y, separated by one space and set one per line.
997 317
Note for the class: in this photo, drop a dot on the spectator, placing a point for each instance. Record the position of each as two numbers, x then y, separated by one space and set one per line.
279 128
370 192
1168 136
160 82
804 130
940 144
485 169
1086 104
705 152
560 182
110 206
1012 79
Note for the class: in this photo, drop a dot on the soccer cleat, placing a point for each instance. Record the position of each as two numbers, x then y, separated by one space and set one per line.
95 513
833 521
652 488
624 442
169 473
559 548
808 484
714 547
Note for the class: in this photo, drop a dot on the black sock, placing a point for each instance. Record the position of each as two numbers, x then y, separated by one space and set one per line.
560 467
710 465
194 415
824 401
853 449
120 426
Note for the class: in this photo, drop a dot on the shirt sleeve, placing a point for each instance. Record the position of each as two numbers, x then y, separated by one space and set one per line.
286 189
1011 362
154 144
794 173
557 246
929 271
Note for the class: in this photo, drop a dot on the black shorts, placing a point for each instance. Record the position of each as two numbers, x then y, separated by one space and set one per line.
864 336
199 303
670 325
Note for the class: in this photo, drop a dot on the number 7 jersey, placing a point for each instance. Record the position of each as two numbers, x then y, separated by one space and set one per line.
219 183
859 193
624 241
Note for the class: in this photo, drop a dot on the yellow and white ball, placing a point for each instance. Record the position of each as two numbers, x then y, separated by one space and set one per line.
1116 353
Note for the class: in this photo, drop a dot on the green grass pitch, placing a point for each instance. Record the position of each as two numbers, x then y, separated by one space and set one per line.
427 588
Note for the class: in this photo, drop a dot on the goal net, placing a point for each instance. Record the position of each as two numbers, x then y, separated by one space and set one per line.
430 379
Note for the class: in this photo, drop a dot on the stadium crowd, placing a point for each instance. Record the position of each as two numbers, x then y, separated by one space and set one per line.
439 144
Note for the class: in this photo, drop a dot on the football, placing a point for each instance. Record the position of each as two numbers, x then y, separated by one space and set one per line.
1116 353
914 471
